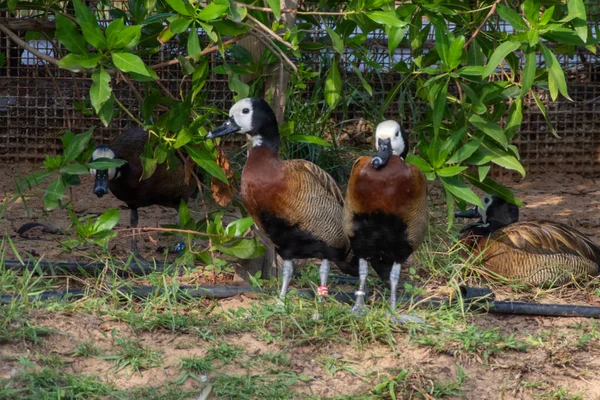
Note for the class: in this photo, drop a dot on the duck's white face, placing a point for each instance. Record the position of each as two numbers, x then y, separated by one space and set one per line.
390 130
241 112
487 200
104 152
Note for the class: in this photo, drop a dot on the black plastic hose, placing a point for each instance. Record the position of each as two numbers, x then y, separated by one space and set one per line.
75 267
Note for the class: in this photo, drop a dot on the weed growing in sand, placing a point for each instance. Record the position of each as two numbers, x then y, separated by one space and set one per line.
86 349
195 368
223 352
272 387
132 353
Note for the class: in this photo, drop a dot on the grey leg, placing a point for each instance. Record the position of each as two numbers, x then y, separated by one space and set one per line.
402 318
288 271
133 222
324 274
363 270
394 278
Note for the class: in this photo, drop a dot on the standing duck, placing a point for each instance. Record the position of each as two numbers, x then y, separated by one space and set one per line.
385 213
296 203
539 253
166 187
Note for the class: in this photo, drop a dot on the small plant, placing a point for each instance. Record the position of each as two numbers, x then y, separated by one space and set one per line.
194 367
223 352
133 354
86 349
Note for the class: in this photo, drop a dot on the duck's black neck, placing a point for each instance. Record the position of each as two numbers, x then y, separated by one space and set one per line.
267 136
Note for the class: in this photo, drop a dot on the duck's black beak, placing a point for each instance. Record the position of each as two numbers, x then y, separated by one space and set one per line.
101 185
227 128
383 153
470 213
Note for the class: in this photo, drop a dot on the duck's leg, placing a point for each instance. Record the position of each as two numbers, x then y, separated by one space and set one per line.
288 271
324 274
394 279
363 270
133 222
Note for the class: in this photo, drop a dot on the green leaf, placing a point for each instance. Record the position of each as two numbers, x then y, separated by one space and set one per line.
528 71
482 171
449 207
240 88
204 159
333 86
465 151
395 35
498 55
183 137
515 117
184 213
489 128
244 249
512 17
545 114
12 5
114 29
492 187
275 6
451 142
386 18
76 146
532 11
129 62
68 35
577 8
556 76
364 82
212 12
193 44
106 112
308 139
450 171
456 51
546 16
239 227
475 55
179 25
459 189
54 193
129 37
103 164
74 169
108 220
100 90
419 162
89 25
336 40
439 106
442 44
504 159
181 7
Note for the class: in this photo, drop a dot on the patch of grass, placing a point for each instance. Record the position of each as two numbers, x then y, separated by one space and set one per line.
451 332
132 353
223 352
559 394
273 387
15 326
86 349
52 383
194 367
410 384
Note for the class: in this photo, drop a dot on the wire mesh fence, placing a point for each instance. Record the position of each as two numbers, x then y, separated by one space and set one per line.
38 101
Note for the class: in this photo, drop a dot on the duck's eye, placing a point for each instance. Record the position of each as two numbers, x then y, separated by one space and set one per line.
245 111
486 200
397 133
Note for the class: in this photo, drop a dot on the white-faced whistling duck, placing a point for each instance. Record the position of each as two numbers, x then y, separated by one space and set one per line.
539 253
166 187
385 213
296 203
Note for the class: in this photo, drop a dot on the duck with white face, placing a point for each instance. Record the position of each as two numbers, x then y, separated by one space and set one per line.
102 177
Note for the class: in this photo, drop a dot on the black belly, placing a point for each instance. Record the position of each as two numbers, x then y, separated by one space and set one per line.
291 242
381 239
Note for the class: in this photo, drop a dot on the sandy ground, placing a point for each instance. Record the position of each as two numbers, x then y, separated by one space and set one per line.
509 375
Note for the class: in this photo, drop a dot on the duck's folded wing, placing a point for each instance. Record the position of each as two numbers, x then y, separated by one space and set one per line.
546 237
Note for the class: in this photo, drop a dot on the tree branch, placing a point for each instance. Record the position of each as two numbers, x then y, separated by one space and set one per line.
20 42
207 50
270 32
480 27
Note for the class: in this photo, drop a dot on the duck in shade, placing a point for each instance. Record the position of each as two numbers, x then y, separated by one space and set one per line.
537 252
